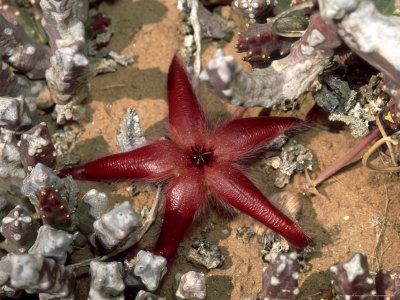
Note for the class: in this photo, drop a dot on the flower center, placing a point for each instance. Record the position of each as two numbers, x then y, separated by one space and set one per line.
200 155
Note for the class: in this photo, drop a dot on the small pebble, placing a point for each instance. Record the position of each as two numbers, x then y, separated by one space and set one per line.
225 231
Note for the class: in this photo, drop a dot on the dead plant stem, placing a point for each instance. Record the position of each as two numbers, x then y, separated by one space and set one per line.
379 236
348 157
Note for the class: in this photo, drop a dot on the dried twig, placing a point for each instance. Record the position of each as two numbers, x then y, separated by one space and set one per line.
389 145
381 225
348 157
112 86
367 164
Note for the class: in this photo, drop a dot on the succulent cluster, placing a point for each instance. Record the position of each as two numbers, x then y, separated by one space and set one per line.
63 62
350 279
284 80
320 41
45 65
35 273
48 50
38 251
309 36
40 240
45 56
296 47
46 59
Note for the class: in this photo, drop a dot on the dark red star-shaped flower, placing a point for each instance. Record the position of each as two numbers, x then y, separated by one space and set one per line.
197 160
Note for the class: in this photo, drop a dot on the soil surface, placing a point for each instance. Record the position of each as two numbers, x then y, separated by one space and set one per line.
346 217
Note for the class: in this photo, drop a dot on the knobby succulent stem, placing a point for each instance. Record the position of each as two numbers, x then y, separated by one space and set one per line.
133 239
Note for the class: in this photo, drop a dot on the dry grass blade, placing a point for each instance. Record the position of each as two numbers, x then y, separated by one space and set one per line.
380 223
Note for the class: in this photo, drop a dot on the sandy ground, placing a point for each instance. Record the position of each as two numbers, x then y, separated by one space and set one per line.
345 220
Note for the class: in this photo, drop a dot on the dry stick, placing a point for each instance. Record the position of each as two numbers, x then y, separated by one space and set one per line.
310 187
381 229
113 86
365 160
133 238
349 156
388 144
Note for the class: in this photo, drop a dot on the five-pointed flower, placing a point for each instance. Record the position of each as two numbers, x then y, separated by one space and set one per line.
196 161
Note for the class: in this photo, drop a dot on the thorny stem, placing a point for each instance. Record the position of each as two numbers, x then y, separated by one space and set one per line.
349 156
133 238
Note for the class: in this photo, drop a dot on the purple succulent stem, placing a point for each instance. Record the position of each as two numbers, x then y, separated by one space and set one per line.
7 11
36 147
10 84
21 53
20 229
59 17
370 34
260 42
52 210
285 79
352 280
280 278
14 85
68 73
388 283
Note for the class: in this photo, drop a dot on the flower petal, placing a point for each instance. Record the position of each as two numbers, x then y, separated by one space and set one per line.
187 121
185 195
229 184
241 137
155 162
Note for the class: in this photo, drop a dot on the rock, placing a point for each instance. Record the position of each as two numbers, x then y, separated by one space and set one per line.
206 255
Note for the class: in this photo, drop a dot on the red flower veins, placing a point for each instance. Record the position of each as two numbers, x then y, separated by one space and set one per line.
195 160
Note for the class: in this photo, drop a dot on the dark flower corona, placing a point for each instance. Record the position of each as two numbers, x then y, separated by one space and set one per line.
196 160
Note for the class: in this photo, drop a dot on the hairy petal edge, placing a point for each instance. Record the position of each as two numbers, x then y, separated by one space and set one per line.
155 162
227 183
187 121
